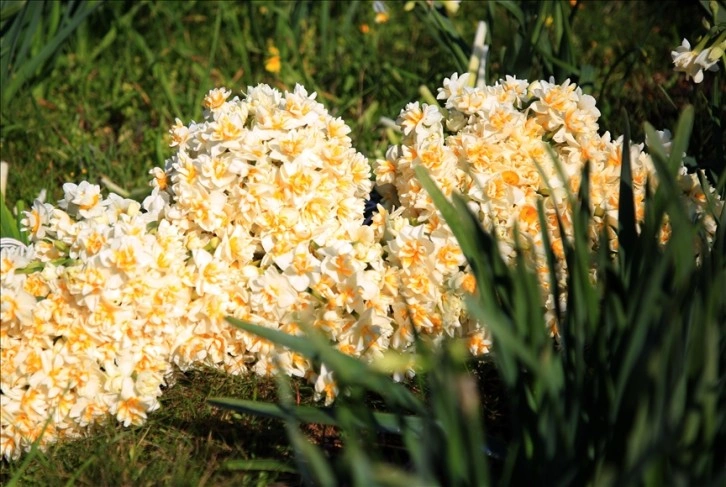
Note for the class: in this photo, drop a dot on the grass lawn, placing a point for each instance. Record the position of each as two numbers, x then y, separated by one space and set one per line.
100 109
104 106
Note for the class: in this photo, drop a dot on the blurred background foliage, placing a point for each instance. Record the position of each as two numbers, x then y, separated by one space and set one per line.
90 88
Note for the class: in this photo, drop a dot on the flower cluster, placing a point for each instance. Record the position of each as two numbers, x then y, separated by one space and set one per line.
270 197
88 316
259 215
500 146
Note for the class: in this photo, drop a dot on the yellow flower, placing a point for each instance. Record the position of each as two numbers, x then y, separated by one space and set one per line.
273 63
382 15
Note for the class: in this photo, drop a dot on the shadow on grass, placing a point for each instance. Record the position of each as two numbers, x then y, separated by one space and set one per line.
189 442
185 442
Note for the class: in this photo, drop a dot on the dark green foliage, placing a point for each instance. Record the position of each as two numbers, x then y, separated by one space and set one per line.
32 34
441 432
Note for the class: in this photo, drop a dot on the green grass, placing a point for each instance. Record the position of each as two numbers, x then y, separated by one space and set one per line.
186 442
102 105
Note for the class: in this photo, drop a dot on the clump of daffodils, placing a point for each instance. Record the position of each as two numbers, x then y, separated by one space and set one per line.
497 145
89 314
270 194
258 215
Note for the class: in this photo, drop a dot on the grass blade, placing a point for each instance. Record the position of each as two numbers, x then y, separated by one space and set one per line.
384 422
263 464
627 235
9 227
27 69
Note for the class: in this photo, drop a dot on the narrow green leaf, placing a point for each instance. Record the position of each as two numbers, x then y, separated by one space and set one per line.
73 479
387 475
306 414
681 136
8 224
642 304
627 235
298 344
384 422
551 260
357 461
8 8
27 69
31 33
513 8
204 84
54 20
259 464
348 370
506 340
326 38
311 460
108 39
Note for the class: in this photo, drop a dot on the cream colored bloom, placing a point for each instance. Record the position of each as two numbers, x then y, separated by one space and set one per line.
36 220
83 199
693 62
258 214
216 98
325 386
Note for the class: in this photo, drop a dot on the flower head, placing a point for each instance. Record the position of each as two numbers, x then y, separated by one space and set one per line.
693 62
273 64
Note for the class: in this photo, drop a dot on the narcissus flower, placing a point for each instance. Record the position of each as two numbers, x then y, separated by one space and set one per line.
273 64
694 62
